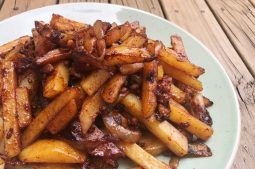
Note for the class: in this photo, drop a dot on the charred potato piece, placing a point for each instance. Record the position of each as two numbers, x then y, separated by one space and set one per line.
137 41
131 68
174 162
53 56
121 55
43 166
23 107
112 88
60 23
64 116
199 150
149 100
11 126
94 81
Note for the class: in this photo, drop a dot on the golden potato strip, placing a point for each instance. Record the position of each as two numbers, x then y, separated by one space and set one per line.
4 49
164 131
160 72
94 81
47 114
63 24
65 115
178 46
141 157
29 79
181 116
44 166
121 55
149 100
53 56
174 162
131 68
182 77
90 110
57 82
11 125
170 58
23 107
136 41
112 88
177 94
51 151
152 145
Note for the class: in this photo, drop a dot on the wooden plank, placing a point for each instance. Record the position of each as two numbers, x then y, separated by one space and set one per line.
152 6
238 21
196 17
14 7
68 1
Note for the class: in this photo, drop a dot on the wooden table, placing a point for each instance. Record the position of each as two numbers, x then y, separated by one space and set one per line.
227 27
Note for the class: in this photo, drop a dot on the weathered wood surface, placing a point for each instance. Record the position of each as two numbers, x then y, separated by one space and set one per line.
224 26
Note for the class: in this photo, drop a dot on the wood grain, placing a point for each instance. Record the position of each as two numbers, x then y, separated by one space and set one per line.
68 1
152 6
196 17
238 21
14 7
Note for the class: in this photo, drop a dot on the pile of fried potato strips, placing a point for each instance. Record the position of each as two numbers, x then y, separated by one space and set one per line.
79 96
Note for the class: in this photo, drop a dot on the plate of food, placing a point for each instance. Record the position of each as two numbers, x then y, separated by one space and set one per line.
88 85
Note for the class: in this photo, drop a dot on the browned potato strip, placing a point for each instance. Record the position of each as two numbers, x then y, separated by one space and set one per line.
131 68
177 94
29 80
174 162
112 36
14 54
182 117
170 58
154 47
149 100
121 55
43 166
53 56
4 49
89 111
23 107
51 151
207 102
90 44
47 114
160 72
152 145
182 77
135 168
112 88
11 125
63 24
177 44
164 131
57 82
136 41
94 81
141 157
62 119
199 150
1 132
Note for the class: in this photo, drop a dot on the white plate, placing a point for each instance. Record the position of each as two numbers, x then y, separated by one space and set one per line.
217 86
